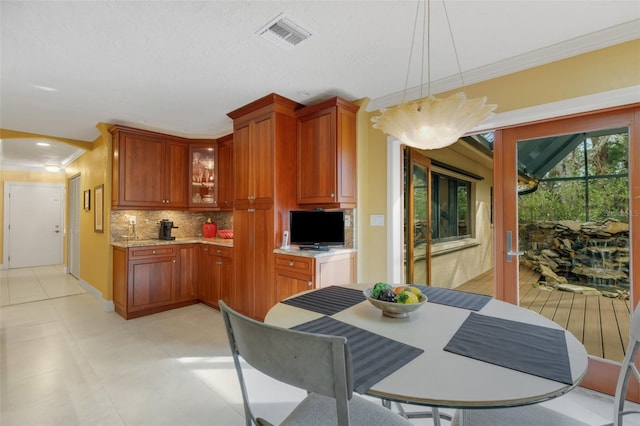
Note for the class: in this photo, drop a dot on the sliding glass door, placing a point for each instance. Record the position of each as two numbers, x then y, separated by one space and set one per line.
567 204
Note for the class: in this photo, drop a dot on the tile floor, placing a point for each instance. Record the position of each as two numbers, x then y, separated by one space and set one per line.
30 284
64 361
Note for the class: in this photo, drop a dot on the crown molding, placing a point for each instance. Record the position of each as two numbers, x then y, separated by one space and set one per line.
579 45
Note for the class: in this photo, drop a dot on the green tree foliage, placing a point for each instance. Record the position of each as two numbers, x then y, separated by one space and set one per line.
573 190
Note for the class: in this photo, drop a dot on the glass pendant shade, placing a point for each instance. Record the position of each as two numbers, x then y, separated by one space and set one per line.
432 123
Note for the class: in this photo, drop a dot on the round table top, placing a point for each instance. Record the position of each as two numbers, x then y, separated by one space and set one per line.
441 378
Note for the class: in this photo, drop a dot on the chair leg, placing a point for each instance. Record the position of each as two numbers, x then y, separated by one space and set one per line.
623 383
433 413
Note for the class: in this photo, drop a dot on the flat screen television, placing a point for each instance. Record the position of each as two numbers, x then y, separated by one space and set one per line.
316 229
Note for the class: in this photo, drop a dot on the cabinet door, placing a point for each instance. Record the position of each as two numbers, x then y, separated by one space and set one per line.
203 175
226 281
141 171
225 173
151 282
242 294
253 243
264 244
262 162
187 282
287 284
176 190
206 276
317 180
242 165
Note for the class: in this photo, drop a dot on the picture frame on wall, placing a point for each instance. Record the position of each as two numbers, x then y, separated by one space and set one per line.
98 211
87 199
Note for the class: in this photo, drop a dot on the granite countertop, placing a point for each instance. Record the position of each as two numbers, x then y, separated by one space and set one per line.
295 251
183 240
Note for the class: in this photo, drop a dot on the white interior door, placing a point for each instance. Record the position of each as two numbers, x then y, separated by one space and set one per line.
34 225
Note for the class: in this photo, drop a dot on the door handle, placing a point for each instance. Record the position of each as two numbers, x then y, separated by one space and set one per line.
509 247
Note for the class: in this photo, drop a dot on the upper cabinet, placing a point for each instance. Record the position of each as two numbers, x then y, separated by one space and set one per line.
149 170
263 150
157 171
326 152
225 172
204 175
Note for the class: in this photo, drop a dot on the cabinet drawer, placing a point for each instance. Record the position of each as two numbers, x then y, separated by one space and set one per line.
294 263
149 251
216 250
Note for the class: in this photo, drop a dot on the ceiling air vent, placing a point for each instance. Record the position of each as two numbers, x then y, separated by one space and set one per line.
284 32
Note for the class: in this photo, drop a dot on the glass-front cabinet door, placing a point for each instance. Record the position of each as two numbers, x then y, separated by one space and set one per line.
203 187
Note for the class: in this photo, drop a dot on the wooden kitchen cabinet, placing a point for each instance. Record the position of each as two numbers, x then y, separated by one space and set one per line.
326 147
203 175
225 172
187 275
215 274
149 170
294 274
145 280
264 141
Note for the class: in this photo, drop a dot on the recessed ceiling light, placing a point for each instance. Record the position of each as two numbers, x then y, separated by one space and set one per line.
42 144
52 168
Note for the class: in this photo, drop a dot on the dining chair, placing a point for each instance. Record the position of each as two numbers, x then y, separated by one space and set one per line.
319 364
626 370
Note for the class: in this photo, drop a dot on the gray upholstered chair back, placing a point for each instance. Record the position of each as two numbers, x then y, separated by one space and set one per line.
317 363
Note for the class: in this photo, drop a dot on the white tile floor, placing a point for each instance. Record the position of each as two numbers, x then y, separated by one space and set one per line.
64 361
30 284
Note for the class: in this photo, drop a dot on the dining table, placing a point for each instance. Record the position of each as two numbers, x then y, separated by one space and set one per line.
458 350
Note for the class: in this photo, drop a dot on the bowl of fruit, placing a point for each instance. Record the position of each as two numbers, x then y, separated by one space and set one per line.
395 302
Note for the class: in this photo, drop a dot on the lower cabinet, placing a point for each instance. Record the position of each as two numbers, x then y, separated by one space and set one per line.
152 279
294 273
187 281
215 274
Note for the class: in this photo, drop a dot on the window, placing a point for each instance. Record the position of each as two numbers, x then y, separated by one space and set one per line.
451 204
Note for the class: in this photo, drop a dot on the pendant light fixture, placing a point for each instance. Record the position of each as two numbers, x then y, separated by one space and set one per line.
431 122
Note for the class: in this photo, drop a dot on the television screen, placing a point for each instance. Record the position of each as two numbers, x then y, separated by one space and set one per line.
316 229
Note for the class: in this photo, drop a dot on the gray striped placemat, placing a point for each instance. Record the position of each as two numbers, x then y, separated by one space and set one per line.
374 356
327 300
540 351
455 298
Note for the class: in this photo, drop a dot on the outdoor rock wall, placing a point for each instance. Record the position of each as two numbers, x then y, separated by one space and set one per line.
569 253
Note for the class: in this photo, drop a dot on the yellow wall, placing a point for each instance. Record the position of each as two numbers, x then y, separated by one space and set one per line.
603 70
94 168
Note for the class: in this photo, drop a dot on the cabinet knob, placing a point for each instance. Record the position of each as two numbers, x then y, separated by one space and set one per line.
153 252
309 283
206 249
291 263
174 261
251 210
218 251
333 194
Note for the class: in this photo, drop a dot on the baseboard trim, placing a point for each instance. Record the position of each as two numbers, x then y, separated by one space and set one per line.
107 305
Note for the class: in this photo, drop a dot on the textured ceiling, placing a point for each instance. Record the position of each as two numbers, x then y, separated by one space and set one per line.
180 66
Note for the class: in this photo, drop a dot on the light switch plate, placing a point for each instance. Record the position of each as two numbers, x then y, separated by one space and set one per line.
376 220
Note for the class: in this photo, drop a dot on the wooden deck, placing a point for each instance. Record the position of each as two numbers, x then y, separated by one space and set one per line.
600 323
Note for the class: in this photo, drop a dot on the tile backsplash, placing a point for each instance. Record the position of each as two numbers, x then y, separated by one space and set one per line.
189 224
